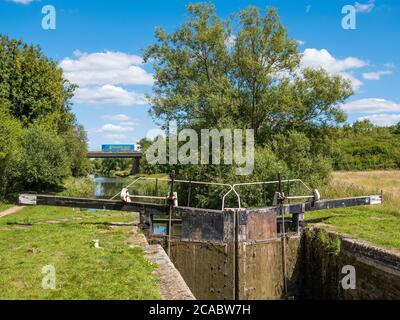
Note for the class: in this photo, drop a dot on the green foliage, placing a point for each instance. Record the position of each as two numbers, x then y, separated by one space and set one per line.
40 141
365 146
321 257
147 168
296 150
79 187
207 76
75 140
10 149
31 85
396 129
267 167
108 167
74 136
150 187
44 160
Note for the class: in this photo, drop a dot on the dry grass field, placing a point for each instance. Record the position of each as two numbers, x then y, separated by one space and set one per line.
379 224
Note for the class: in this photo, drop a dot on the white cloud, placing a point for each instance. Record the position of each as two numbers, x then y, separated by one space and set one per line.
301 42
22 1
376 75
107 67
115 117
314 58
389 65
382 119
372 105
322 58
115 137
108 95
130 123
365 7
112 128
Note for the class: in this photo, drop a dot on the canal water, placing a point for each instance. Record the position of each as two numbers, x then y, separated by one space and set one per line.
107 187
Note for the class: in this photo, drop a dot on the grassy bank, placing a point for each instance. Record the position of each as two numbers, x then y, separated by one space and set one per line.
379 224
7 203
5 206
41 236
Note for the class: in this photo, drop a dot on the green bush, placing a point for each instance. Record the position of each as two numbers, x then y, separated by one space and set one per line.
75 140
266 167
303 160
44 161
292 156
40 140
79 187
10 152
364 146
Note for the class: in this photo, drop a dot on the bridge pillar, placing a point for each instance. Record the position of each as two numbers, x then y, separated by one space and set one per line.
135 166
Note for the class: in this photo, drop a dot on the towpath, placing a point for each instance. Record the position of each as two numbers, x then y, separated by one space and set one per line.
10 211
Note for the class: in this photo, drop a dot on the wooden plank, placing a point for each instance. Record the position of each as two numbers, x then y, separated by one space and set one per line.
159 220
298 208
295 208
72 202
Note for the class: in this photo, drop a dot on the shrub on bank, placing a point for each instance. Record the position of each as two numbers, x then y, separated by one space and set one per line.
10 149
79 187
44 160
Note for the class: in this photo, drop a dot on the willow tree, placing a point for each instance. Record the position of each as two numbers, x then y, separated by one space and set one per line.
243 72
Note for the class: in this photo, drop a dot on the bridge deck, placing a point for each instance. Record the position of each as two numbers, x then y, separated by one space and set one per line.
105 155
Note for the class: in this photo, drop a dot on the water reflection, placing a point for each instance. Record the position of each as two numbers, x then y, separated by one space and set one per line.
159 228
107 187
162 229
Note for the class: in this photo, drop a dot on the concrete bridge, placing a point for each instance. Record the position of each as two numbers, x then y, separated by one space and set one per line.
113 155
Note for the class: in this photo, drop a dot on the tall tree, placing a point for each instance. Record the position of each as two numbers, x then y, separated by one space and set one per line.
243 72
31 85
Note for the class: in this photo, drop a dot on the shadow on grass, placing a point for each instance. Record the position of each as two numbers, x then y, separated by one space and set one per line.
318 220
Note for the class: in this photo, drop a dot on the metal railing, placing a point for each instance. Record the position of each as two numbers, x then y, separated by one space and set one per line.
232 188
272 182
189 182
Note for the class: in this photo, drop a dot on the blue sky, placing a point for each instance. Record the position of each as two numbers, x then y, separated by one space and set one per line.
99 45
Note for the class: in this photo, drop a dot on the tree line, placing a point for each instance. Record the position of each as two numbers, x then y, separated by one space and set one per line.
41 142
365 146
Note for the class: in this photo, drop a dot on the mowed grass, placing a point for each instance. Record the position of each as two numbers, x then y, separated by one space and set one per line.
41 236
5 206
379 224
